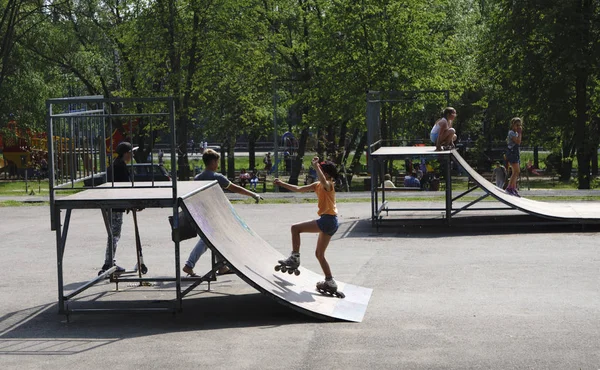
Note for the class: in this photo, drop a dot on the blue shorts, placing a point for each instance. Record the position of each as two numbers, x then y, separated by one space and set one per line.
328 224
513 155
434 137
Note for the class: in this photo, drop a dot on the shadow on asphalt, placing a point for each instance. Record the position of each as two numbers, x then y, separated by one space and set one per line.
460 226
41 330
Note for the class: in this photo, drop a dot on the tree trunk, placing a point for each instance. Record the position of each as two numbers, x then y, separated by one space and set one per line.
223 160
331 147
350 146
7 40
581 138
595 161
231 157
251 151
360 148
342 146
320 140
295 174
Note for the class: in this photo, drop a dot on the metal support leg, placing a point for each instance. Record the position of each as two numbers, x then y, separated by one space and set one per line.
59 259
448 191
107 215
61 240
176 239
179 296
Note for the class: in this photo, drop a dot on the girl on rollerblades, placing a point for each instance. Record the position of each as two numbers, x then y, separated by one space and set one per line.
325 226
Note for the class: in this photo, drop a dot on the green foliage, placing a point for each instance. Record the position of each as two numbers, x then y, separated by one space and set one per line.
533 54
234 65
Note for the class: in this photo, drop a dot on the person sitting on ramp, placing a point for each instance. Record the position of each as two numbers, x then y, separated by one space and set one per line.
211 165
442 134
325 226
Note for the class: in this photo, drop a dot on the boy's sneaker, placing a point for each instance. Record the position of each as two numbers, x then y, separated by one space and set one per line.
119 269
106 266
188 270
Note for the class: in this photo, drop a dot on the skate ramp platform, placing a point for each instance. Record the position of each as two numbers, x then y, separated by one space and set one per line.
253 259
572 212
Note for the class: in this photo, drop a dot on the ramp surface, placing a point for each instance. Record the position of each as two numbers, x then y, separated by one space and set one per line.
582 212
253 259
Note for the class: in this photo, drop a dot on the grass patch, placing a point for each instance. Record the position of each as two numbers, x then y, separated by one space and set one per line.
18 188
16 203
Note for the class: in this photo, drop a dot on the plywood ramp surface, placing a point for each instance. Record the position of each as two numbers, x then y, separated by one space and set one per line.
574 211
253 259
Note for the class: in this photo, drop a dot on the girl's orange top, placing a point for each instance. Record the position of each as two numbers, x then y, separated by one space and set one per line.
326 201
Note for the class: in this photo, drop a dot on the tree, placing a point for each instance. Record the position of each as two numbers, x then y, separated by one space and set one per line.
543 56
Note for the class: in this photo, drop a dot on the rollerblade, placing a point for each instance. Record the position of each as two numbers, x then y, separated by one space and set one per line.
513 191
329 287
289 265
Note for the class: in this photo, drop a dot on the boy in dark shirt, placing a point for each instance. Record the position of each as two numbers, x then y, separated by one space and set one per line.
211 165
119 173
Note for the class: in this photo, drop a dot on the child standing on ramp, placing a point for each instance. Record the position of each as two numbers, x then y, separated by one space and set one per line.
513 155
325 226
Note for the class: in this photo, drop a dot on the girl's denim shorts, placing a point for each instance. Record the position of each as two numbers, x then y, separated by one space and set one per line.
328 224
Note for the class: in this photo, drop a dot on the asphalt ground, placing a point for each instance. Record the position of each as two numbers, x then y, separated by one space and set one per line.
487 297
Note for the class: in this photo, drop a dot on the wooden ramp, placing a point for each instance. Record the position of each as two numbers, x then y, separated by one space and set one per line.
559 212
253 259
576 212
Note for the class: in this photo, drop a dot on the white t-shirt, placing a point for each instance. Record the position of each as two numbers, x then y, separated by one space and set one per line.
388 184
436 128
509 138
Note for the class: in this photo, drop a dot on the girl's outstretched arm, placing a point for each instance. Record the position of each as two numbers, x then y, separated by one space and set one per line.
295 188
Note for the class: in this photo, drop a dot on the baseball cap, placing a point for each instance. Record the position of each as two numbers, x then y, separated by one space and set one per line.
125 147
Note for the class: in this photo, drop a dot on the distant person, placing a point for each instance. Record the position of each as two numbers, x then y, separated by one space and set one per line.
532 169
268 162
417 170
119 173
499 175
411 181
244 177
160 157
44 167
442 134
211 165
311 176
253 179
513 155
387 183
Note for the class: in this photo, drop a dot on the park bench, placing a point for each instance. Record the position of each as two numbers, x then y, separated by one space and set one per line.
398 181
262 180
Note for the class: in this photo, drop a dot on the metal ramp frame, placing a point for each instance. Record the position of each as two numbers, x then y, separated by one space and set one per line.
564 213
